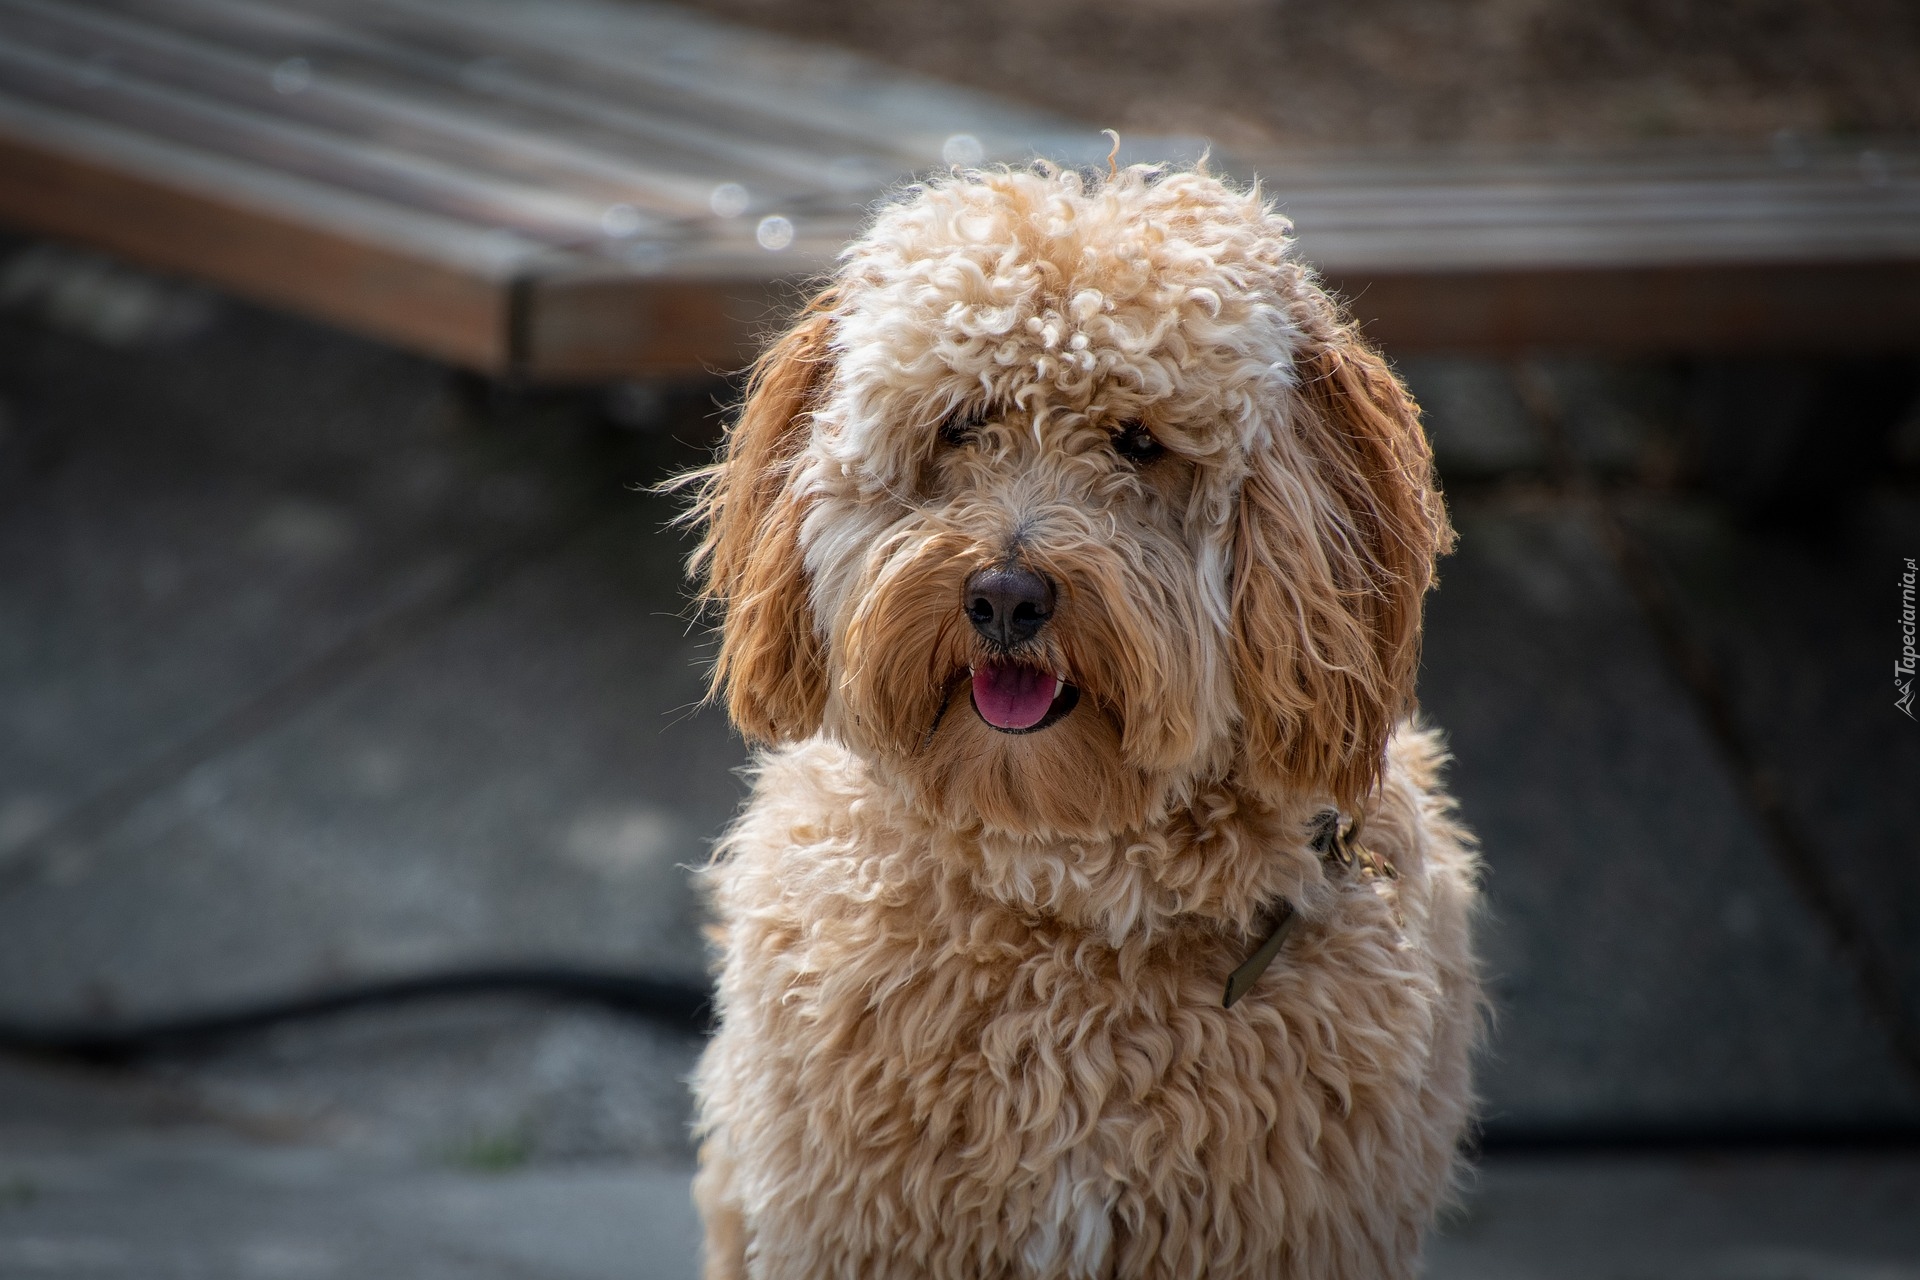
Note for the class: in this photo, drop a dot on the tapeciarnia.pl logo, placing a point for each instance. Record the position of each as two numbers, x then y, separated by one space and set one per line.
1903 666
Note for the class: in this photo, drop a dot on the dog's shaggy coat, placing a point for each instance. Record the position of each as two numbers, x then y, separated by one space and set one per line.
971 1015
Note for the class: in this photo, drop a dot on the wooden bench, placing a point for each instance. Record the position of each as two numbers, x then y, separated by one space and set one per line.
526 188
584 189
1787 248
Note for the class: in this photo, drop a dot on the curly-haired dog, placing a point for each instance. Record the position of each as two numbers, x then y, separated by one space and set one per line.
1071 547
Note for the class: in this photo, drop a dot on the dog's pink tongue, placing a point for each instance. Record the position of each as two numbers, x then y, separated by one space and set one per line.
1011 695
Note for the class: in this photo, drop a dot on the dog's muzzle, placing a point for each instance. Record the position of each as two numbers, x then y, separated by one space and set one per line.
1008 606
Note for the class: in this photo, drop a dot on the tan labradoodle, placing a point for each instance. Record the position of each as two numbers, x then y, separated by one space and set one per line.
1097 912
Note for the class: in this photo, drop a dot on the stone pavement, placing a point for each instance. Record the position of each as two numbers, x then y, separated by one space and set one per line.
114 1177
1700 921
321 665
110 1178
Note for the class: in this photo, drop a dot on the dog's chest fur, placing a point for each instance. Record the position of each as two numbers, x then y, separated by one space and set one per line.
933 1062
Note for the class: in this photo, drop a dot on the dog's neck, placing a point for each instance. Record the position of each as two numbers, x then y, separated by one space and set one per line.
1220 858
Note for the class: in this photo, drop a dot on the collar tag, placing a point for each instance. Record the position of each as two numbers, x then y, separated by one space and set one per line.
1241 980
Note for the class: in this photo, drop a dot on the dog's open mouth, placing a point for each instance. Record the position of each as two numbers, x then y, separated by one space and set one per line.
1014 697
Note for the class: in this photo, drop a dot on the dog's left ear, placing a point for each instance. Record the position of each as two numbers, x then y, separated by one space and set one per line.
771 666
1339 526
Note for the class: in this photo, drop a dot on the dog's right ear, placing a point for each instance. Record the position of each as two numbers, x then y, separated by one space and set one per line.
771 667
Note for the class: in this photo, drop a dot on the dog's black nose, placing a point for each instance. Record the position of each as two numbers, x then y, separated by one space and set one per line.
1008 605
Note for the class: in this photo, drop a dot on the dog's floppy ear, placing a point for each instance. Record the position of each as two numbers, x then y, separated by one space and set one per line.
1339 524
771 666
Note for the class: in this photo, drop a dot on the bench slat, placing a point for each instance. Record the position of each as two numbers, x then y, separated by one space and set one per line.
558 217
444 130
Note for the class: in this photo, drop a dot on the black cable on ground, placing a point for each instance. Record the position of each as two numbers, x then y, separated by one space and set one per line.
1757 1136
687 1008
679 1006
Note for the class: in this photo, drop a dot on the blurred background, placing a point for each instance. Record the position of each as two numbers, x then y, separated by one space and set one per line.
351 749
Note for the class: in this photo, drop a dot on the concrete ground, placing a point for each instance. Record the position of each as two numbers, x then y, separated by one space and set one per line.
320 665
115 1177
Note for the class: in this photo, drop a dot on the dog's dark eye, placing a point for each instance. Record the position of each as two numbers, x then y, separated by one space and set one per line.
1136 444
960 426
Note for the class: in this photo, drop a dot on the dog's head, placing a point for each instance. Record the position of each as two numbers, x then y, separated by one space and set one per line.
1068 495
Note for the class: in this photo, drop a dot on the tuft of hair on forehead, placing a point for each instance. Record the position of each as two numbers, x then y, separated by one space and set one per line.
1063 226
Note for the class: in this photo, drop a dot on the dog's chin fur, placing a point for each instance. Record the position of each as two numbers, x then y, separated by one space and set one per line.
970 998
973 776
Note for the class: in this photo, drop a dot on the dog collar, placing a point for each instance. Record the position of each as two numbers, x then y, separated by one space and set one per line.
1341 853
